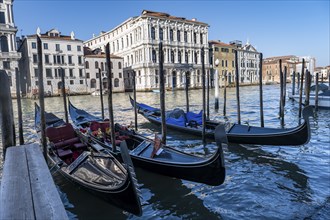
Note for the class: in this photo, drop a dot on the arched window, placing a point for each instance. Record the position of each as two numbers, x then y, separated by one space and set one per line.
179 56
172 56
120 75
195 57
102 66
201 38
96 65
87 64
198 76
195 38
93 83
153 35
4 44
116 83
171 35
186 56
161 34
154 56
178 36
119 65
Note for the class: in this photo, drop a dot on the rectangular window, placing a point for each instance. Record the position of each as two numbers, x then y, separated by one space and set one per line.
49 73
35 58
71 82
69 47
81 73
6 65
2 18
71 72
185 37
46 58
79 60
45 46
78 48
34 45
216 49
49 82
87 75
70 59
81 82
58 48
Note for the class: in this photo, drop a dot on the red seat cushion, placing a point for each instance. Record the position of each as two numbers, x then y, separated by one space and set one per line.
64 153
79 146
69 142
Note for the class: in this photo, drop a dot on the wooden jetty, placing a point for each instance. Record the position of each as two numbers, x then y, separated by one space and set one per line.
27 188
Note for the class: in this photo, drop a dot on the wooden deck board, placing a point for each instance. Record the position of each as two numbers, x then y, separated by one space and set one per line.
27 188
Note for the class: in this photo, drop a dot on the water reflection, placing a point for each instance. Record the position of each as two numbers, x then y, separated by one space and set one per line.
261 182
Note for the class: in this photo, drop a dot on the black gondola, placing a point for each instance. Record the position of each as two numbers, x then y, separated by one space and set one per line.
170 161
94 169
243 134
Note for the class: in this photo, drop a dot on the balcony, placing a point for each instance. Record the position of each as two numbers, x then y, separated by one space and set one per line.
10 55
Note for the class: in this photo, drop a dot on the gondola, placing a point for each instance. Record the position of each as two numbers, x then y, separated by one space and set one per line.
191 123
94 169
167 160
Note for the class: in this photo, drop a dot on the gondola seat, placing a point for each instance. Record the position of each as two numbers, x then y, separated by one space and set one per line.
63 136
79 146
64 153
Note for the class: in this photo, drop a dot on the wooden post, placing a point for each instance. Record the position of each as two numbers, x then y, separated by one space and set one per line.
134 96
281 93
261 93
298 81
322 78
208 96
187 92
162 91
101 93
284 87
293 83
109 75
225 94
41 98
19 107
204 104
301 86
64 96
308 87
216 86
237 89
6 113
316 104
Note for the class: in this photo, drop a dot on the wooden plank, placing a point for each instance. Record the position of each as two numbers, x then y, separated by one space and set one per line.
47 202
15 193
27 188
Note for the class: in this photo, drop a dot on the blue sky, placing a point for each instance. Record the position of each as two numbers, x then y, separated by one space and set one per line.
276 28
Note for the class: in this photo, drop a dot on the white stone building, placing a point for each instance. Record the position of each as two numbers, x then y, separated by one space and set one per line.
60 53
95 64
248 63
137 40
8 54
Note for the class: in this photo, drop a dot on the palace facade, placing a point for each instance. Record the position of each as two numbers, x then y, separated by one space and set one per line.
137 39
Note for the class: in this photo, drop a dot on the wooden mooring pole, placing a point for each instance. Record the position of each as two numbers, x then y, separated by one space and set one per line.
225 95
208 96
301 86
41 99
101 93
134 96
308 87
293 83
187 91
281 113
162 91
19 107
216 86
6 113
261 92
316 104
298 82
204 104
110 104
237 89
64 96
284 86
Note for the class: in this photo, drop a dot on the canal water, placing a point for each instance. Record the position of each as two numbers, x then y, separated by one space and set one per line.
262 182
